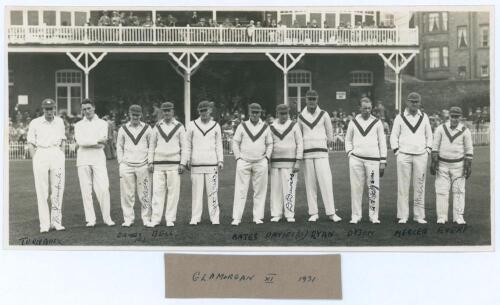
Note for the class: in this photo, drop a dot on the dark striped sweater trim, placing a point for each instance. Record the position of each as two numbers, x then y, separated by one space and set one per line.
369 158
450 160
135 140
310 150
283 160
203 165
166 162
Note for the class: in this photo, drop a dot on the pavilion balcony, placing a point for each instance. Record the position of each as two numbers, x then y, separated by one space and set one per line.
210 36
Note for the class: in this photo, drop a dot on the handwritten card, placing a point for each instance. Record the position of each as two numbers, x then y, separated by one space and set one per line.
253 276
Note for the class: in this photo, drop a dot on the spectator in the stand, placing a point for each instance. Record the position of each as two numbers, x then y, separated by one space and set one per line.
387 129
325 24
159 21
296 24
148 22
104 20
314 24
123 18
171 20
485 114
258 24
250 29
269 119
201 23
268 21
157 113
194 19
227 23
434 121
12 132
21 132
477 119
274 24
136 21
237 22
130 19
115 19
445 115
212 23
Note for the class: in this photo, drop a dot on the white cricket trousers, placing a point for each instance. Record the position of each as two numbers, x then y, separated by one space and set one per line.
319 169
450 175
95 176
283 186
134 178
48 163
408 166
199 180
257 171
363 171
169 182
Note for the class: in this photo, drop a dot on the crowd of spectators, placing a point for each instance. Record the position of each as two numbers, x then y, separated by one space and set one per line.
117 18
229 117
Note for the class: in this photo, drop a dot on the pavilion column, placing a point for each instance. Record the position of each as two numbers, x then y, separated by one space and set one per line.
397 61
286 62
186 64
187 96
90 61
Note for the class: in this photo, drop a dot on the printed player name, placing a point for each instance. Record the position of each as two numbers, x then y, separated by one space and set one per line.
26 241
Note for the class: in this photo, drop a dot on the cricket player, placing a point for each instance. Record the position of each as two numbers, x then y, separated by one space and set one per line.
317 133
252 146
366 147
411 141
451 161
166 159
46 139
205 158
91 135
132 154
285 164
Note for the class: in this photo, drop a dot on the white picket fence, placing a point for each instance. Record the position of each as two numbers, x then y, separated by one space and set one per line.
20 151
211 35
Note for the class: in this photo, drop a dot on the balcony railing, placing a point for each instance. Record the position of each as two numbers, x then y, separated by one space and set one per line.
125 35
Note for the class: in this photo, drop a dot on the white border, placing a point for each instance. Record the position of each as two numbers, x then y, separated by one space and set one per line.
309 249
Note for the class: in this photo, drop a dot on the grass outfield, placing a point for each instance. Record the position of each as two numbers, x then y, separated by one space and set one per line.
24 224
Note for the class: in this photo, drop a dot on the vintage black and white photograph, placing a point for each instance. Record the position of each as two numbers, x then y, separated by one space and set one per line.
346 128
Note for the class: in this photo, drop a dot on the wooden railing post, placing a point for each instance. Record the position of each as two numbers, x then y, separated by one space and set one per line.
154 33
220 34
188 33
120 39
85 33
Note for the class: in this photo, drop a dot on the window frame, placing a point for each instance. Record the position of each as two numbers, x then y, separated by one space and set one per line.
464 27
482 29
434 60
360 84
487 71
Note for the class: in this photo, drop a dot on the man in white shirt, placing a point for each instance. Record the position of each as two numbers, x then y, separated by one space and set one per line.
317 133
166 160
452 153
132 154
252 146
91 135
366 147
411 141
285 164
46 138
205 158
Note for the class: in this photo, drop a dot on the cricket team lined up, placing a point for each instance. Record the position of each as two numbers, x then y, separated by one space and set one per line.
152 160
